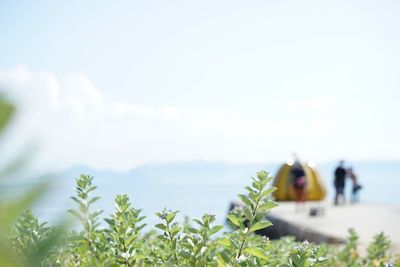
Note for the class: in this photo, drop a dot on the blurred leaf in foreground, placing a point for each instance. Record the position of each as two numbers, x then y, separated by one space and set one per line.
34 240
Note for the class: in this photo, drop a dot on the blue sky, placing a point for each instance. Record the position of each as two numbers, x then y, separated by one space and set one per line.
204 80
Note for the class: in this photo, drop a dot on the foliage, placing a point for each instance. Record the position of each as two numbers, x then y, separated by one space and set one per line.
123 243
349 255
257 201
23 240
125 226
377 250
28 234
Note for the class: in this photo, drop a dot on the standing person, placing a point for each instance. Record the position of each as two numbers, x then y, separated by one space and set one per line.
340 182
299 183
356 185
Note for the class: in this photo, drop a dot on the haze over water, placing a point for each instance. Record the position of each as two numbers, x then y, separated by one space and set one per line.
197 188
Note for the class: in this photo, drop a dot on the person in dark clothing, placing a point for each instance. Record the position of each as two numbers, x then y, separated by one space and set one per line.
299 182
356 186
340 182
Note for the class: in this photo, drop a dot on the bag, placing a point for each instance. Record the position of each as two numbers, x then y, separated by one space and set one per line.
300 181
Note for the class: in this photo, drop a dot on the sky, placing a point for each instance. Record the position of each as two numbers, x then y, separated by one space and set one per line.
119 84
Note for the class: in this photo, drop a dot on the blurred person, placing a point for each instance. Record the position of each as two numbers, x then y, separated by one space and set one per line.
356 186
299 181
339 183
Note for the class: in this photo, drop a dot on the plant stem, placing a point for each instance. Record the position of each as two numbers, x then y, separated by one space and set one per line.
171 241
247 233
126 261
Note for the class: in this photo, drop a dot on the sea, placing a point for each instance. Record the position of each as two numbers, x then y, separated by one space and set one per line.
196 188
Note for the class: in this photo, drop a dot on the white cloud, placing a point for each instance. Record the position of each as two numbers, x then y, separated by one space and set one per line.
319 103
74 123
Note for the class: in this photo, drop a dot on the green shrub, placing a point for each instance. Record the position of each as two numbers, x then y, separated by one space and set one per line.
122 241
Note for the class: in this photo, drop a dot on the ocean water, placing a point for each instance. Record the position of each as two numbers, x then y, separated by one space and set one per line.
198 188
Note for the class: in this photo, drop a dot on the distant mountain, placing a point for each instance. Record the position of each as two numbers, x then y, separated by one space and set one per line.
203 169
198 187
163 172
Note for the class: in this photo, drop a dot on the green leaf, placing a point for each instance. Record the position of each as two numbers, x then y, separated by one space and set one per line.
254 196
259 225
171 216
6 112
262 175
185 254
215 229
268 205
269 179
10 211
233 220
76 214
251 190
141 218
161 227
248 214
46 245
95 214
16 165
130 240
110 221
193 230
257 185
268 191
93 200
175 230
76 200
225 242
140 227
245 200
92 188
256 252
198 222
320 251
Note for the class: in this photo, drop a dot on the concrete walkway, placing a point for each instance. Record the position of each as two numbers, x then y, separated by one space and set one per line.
332 227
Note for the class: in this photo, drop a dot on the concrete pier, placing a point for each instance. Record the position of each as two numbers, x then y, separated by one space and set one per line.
333 225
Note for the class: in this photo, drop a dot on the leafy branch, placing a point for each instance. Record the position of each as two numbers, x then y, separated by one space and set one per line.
125 228
170 235
256 202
